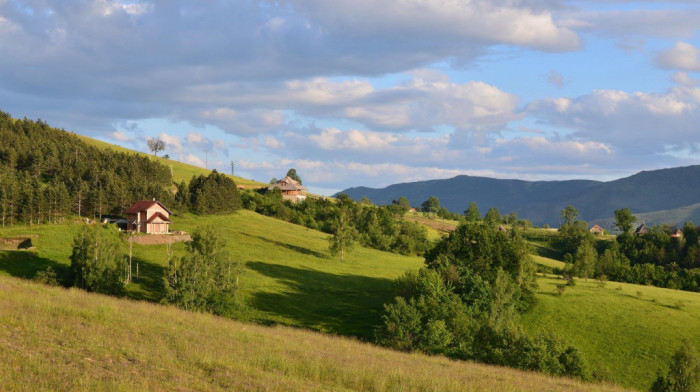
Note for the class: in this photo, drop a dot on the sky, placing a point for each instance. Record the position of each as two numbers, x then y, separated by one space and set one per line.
367 93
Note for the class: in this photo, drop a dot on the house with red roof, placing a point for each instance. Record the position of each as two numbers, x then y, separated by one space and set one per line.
148 216
597 230
291 189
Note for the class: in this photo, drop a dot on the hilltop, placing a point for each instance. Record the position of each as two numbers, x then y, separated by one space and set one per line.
658 196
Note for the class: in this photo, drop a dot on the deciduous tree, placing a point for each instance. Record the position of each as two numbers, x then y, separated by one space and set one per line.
97 261
624 220
472 212
205 276
155 145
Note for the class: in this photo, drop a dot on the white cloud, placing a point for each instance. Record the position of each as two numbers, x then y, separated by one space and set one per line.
194 160
172 142
335 139
120 136
683 56
481 20
631 123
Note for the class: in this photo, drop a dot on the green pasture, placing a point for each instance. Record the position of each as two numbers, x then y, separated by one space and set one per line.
627 332
54 339
289 277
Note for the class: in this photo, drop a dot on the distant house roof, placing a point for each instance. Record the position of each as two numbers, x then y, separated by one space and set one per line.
288 184
597 229
642 229
160 215
676 232
143 205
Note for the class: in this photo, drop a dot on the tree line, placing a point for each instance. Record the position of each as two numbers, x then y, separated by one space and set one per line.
660 256
47 174
373 226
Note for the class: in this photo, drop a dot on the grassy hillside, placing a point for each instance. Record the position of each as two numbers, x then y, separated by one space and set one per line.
52 339
180 171
627 332
290 277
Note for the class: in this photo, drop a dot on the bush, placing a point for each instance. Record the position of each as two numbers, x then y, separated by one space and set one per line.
205 279
97 261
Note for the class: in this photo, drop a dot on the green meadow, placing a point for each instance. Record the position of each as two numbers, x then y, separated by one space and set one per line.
626 332
289 276
55 339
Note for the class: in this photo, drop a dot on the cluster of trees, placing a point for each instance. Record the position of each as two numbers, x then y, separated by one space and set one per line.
652 258
46 174
204 279
215 193
493 217
466 301
373 226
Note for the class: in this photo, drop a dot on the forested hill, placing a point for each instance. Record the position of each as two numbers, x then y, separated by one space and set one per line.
662 192
47 173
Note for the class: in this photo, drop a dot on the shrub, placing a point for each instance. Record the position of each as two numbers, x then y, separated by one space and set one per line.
97 261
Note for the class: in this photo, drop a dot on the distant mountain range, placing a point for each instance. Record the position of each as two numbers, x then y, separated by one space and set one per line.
659 196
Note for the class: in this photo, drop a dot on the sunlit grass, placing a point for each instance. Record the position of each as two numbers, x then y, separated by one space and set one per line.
626 331
53 339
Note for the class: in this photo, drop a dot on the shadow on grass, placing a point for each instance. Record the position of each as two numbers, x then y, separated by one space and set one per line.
295 248
25 264
547 252
343 304
148 285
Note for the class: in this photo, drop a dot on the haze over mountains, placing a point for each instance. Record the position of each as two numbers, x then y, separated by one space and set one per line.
659 196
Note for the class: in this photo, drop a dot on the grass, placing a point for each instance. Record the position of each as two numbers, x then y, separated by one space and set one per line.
54 339
437 227
290 277
627 332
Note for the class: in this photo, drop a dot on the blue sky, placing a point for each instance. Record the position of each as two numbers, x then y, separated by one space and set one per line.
359 92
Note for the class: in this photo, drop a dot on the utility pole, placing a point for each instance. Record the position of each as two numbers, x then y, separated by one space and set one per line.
232 165
206 159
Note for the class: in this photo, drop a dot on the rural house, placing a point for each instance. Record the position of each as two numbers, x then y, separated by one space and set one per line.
148 217
642 229
597 230
676 232
291 189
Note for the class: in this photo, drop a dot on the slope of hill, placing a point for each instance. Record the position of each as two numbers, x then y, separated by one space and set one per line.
627 332
52 339
180 171
541 201
291 279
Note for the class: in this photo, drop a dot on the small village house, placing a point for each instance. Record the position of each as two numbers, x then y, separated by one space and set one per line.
597 230
642 229
676 232
291 189
148 216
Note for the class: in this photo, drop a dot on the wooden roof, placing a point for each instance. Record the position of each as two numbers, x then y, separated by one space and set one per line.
160 215
642 229
288 184
143 205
